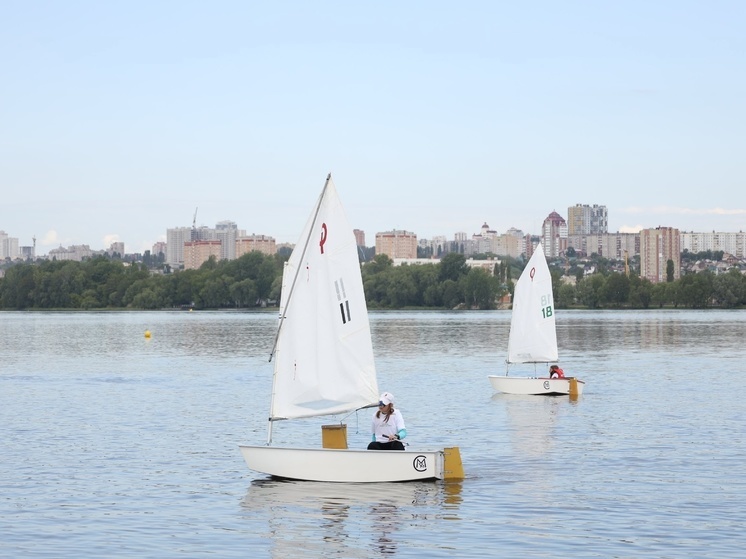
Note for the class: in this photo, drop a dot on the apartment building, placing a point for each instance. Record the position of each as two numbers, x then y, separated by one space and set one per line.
583 219
8 246
657 247
197 253
397 244
227 232
76 253
554 235
609 245
260 243
175 239
729 243
158 248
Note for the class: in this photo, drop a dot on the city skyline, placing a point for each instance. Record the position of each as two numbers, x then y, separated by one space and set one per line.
369 235
120 119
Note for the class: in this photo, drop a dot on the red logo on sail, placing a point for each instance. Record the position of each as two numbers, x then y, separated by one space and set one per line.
323 237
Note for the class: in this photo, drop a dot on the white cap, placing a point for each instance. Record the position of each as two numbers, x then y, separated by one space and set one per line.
387 398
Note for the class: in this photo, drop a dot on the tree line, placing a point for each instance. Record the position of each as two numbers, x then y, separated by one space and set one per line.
254 280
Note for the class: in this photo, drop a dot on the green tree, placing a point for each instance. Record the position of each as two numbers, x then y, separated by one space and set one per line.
729 289
452 267
479 289
380 263
565 296
215 294
402 290
244 293
669 271
148 299
696 289
451 294
590 291
659 294
617 289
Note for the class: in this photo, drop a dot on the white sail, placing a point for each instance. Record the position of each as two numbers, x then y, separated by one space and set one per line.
323 353
533 338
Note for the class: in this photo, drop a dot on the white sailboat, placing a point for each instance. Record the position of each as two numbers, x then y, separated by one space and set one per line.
533 336
323 362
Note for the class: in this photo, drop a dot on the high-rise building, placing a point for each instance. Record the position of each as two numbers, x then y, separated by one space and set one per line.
259 243
583 219
397 244
609 245
554 235
116 248
159 248
8 246
657 247
729 243
175 239
359 237
483 242
78 253
197 253
227 232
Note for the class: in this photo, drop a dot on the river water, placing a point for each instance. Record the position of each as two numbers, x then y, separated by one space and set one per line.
113 444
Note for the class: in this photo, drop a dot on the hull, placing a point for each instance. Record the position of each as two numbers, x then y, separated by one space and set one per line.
355 466
536 386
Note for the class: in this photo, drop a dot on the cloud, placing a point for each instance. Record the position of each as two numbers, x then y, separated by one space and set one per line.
110 238
50 238
631 228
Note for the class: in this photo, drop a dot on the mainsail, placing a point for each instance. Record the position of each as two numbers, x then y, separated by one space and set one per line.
533 337
323 355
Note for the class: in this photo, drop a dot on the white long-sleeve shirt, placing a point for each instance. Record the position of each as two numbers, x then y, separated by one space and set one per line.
382 428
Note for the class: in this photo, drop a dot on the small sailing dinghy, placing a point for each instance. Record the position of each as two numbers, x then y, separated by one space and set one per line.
533 336
323 363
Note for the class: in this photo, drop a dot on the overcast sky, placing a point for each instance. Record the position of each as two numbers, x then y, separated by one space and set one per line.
119 118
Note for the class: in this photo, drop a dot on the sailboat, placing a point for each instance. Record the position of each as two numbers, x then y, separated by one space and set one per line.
533 335
324 365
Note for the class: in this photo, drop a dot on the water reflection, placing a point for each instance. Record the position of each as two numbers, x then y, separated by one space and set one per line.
357 520
659 330
533 421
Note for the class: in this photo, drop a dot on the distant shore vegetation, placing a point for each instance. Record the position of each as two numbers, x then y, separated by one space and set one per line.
254 281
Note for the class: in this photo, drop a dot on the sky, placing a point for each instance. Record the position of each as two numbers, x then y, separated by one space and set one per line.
120 119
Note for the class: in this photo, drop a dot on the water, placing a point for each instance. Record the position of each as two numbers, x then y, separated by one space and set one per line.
115 445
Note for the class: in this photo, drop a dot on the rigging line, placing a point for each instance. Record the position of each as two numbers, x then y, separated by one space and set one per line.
358 409
297 271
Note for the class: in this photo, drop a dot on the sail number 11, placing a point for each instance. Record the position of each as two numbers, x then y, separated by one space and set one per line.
546 306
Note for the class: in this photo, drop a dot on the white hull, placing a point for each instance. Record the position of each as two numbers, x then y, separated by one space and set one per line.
535 386
357 466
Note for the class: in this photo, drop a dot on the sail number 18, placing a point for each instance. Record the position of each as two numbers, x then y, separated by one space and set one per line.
546 306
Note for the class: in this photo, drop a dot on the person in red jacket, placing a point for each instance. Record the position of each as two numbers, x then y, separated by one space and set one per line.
556 372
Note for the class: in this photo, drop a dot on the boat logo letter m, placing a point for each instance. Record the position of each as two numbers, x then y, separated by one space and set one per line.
344 302
420 463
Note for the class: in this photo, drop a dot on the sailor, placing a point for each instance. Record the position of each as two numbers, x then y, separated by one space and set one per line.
556 372
388 425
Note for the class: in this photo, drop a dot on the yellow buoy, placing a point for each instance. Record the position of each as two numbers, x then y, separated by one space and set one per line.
147 333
